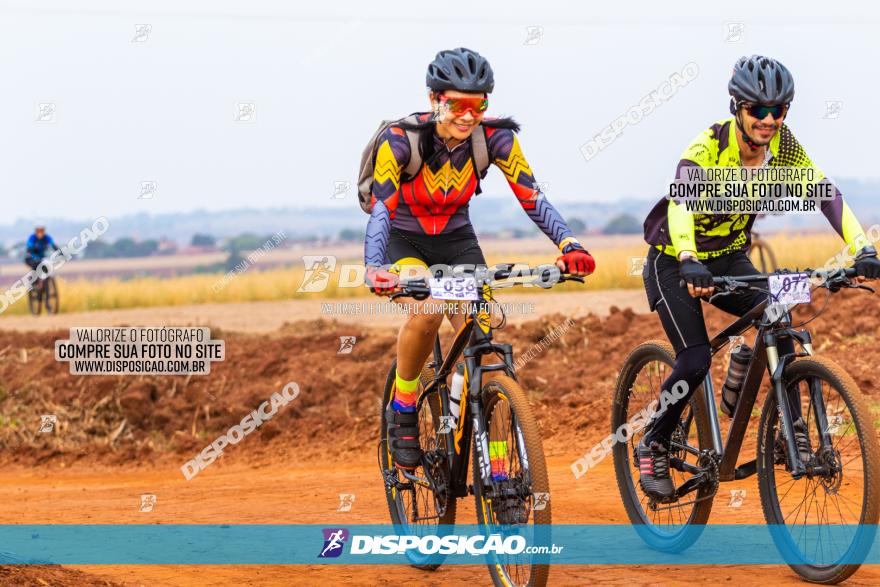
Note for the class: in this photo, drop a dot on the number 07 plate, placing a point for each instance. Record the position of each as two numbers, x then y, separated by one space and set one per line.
454 288
789 288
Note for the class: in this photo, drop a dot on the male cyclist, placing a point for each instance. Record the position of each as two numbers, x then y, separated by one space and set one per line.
37 245
696 247
423 220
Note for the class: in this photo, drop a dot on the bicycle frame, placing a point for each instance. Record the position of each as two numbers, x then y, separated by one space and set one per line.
764 356
473 340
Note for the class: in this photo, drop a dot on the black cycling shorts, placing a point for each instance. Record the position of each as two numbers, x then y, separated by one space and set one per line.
458 247
681 314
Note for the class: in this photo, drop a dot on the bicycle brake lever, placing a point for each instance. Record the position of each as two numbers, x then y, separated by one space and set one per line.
726 292
861 286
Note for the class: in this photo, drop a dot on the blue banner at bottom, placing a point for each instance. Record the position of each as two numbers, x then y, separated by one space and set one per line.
584 544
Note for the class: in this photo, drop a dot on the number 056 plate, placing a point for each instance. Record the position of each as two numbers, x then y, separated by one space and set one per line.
454 288
790 288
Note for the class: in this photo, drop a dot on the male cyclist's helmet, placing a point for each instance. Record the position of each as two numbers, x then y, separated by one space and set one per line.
460 69
761 80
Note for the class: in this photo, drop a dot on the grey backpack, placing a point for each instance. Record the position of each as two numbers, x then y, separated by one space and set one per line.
479 152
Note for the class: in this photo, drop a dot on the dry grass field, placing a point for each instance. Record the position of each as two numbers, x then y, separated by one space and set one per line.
618 260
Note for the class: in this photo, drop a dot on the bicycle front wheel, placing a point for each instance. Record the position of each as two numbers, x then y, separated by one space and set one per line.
511 488
50 295
823 522
35 300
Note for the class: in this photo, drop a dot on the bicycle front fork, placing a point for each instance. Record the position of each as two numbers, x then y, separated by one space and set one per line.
776 365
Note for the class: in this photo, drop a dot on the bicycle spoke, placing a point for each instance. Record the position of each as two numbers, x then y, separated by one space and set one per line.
796 513
819 519
505 437
647 386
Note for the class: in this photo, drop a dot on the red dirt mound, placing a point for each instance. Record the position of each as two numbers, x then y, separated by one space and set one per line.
571 377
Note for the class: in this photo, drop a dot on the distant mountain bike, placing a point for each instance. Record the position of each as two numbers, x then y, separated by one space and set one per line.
495 416
43 293
836 488
761 254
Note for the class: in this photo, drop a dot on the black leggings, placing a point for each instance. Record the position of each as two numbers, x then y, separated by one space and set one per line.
682 318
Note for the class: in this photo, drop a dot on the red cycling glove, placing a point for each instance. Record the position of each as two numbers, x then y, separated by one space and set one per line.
577 261
380 281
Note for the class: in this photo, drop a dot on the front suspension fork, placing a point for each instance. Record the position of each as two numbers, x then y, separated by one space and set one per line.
776 366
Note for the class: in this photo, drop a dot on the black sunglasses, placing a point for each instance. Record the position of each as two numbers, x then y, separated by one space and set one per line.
760 111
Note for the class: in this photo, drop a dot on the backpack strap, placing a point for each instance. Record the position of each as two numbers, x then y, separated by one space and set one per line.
480 150
415 157
480 155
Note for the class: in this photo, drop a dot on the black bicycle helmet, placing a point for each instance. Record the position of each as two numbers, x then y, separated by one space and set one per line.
460 69
761 80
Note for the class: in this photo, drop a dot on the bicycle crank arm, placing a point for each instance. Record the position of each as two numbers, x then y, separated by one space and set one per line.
691 484
685 466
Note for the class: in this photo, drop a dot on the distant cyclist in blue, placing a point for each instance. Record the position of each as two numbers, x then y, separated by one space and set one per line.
37 246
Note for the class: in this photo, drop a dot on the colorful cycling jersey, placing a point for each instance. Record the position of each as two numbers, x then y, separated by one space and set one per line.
37 247
671 228
436 200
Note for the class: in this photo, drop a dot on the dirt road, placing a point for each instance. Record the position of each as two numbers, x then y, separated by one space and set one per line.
119 437
280 489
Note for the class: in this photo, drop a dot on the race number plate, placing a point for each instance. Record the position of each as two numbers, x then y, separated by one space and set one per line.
790 288
454 288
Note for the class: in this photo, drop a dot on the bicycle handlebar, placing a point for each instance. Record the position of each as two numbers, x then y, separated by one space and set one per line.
419 289
829 278
416 289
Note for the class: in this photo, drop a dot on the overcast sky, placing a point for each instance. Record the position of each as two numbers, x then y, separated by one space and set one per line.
158 103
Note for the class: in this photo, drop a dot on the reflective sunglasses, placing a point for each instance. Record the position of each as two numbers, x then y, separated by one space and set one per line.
760 111
458 106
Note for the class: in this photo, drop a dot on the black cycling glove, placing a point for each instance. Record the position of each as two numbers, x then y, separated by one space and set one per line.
695 273
867 264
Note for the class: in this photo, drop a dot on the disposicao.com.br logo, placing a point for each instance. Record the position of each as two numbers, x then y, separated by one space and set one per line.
334 541
479 545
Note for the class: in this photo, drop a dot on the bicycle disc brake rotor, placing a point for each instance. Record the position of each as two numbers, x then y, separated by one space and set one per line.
829 460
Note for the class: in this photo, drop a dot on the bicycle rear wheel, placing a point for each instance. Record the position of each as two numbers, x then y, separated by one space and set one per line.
415 508
518 494
667 527
824 522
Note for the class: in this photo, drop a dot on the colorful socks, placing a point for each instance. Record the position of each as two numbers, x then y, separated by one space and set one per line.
405 394
498 459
